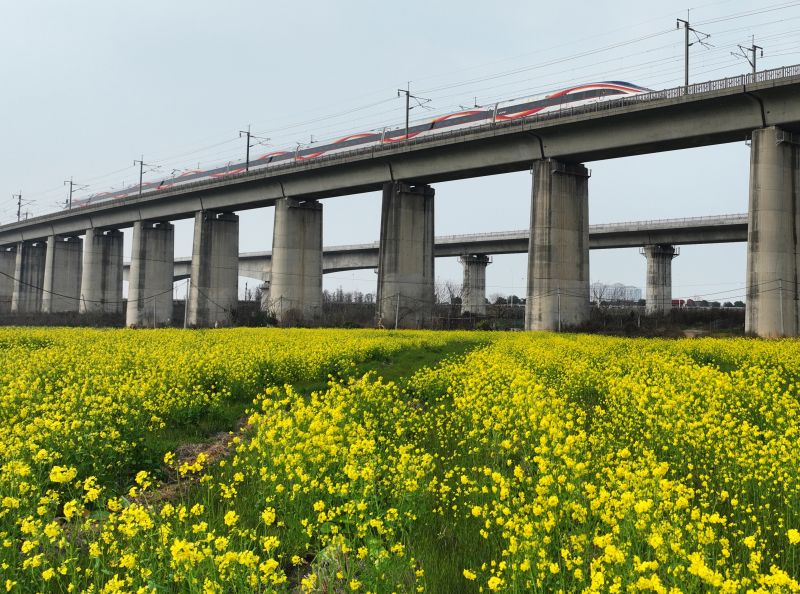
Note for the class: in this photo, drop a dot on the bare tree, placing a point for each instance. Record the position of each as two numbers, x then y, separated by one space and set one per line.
598 292
447 292
453 292
439 292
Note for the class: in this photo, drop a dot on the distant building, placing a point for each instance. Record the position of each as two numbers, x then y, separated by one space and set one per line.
614 293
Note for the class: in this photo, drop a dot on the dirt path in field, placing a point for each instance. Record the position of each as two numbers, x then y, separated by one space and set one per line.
219 445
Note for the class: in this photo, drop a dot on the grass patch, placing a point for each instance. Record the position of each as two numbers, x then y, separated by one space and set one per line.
396 367
399 366
446 546
204 428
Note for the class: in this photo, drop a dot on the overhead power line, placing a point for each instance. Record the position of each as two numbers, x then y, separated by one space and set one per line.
19 204
749 53
72 187
142 165
421 101
249 136
434 93
700 38
548 63
772 8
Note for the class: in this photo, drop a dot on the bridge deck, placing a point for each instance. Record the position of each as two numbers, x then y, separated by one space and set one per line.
683 231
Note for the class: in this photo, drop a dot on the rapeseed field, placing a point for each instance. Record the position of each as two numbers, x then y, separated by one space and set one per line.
530 463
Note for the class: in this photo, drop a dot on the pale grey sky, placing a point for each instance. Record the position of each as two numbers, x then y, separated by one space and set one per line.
89 86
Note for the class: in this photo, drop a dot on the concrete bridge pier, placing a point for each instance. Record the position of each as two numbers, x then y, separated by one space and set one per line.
213 291
295 292
658 291
772 238
8 265
405 256
558 252
150 278
473 291
101 278
28 277
62 274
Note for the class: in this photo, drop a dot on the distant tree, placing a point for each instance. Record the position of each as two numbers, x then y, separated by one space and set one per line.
727 304
598 292
738 304
454 292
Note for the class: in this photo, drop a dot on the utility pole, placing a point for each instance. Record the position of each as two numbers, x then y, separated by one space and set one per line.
749 53
142 165
19 204
701 40
421 101
186 303
72 187
407 92
247 134
559 309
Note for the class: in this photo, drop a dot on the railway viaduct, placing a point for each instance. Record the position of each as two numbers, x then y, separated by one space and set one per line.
764 108
474 252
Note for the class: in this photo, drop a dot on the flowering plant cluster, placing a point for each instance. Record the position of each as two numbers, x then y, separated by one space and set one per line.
533 463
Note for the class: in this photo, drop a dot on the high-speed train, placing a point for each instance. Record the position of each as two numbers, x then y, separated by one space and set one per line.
499 112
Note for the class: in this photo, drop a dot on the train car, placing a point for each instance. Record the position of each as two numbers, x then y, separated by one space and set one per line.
500 112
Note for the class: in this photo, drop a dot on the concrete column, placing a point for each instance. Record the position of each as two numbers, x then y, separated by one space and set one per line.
28 277
62 274
213 293
772 237
296 277
150 278
558 252
659 277
8 265
101 278
405 256
473 291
